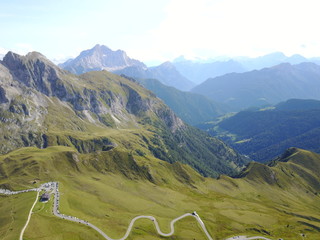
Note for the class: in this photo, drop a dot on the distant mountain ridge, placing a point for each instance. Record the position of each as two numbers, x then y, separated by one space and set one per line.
165 73
264 87
270 60
101 57
181 73
198 70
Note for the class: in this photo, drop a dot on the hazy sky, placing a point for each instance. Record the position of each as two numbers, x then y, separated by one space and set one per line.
159 30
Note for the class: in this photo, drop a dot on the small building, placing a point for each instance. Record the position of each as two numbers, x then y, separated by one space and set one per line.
45 197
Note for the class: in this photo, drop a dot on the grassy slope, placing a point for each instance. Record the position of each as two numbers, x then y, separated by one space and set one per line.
190 107
108 193
206 154
14 211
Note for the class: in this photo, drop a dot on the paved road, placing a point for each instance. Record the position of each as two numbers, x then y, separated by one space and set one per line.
8 192
155 222
54 188
29 216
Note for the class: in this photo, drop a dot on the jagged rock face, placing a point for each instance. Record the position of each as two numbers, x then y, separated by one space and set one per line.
135 102
100 58
170 119
35 71
3 98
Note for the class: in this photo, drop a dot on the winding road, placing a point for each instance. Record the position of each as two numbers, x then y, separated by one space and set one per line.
153 219
54 188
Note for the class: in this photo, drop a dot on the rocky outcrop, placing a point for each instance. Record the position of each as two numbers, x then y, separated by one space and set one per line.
3 98
170 119
35 71
135 103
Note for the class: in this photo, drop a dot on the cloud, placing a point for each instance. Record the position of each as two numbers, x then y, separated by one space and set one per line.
232 27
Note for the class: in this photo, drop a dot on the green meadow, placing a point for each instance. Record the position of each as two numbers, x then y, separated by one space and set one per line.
96 188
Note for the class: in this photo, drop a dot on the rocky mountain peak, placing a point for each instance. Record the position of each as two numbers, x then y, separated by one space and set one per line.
11 59
98 46
96 50
33 70
100 57
36 56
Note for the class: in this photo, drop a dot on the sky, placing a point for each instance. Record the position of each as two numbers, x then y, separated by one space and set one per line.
155 31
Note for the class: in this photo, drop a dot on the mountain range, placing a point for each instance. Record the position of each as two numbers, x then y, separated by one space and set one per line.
263 134
100 57
270 60
264 87
42 105
198 71
182 74
234 82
